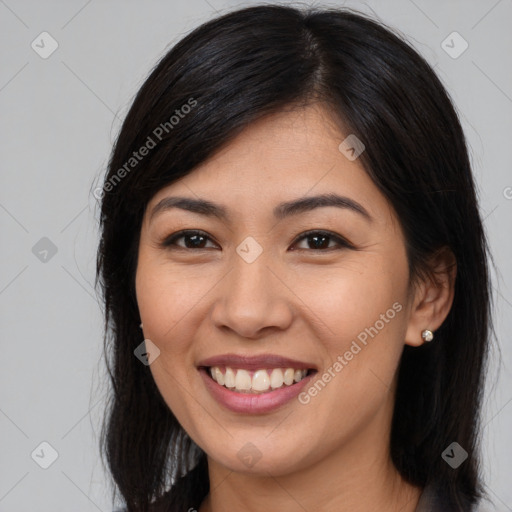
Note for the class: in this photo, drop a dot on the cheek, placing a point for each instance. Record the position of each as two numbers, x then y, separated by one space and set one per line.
170 304
355 297
365 311
167 300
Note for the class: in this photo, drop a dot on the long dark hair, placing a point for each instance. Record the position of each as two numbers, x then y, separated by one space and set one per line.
224 75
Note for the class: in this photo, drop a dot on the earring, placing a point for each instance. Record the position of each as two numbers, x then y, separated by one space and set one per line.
140 325
427 335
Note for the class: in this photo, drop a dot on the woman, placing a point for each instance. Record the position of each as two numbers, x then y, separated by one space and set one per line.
295 276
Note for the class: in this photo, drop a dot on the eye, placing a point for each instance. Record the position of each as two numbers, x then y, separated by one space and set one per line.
195 239
320 241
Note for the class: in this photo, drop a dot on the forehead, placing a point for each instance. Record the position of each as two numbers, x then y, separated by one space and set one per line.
281 157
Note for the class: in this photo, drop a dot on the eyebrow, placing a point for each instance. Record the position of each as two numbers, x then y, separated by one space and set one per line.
281 211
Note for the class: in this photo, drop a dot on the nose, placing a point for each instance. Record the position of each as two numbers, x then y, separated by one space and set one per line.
253 299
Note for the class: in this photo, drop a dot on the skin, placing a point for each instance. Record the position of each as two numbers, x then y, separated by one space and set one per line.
331 454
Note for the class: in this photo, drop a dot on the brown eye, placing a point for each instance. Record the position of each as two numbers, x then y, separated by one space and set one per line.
319 241
193 240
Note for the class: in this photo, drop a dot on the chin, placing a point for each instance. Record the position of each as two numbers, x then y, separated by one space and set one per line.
262 456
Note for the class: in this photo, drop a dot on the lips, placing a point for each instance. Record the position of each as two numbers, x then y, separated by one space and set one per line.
254 384
253 363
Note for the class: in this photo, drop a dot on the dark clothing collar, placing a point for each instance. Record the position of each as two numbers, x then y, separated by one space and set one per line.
432 500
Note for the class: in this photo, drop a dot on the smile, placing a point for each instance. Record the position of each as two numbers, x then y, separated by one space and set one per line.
256 382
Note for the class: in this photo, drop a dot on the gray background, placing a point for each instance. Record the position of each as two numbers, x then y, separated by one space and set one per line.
60 116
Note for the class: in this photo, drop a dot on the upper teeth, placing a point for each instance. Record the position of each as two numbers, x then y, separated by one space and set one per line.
261 380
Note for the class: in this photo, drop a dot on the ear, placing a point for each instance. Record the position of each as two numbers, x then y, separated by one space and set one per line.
433 297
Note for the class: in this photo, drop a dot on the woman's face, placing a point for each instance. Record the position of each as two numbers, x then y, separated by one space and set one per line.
256 298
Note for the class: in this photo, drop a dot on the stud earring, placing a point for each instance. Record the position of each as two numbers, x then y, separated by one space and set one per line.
427 335
140 325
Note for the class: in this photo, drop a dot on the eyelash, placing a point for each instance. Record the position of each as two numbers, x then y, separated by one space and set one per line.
169 242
